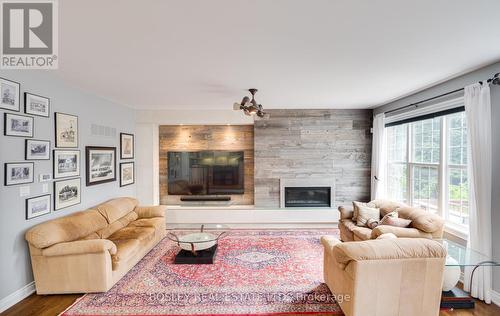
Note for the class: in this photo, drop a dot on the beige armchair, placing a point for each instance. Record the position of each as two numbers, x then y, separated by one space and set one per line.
424 224
90 251
385 277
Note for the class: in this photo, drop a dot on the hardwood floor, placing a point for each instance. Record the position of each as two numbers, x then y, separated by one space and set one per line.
51 305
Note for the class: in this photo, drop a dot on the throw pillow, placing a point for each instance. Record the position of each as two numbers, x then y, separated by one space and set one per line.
365 213
355 209
371 223
395 221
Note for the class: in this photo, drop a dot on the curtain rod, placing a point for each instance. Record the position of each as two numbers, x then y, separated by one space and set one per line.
494 80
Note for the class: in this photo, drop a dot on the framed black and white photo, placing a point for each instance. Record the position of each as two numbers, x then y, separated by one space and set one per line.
66 130
44 177
36 105
10 95
66 163
127 173
38 206
19 172
37 149
67 193
100 164
126 146
18 125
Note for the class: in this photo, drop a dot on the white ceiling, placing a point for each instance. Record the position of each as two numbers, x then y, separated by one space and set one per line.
300 54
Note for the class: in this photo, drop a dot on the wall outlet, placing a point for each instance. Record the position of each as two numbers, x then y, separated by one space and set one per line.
24 191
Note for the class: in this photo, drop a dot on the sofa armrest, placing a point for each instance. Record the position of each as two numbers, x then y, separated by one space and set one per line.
388 249
150 211
80 247
329 242
346 213
406 232
421 219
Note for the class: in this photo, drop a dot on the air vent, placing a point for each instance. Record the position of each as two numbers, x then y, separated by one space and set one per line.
102 131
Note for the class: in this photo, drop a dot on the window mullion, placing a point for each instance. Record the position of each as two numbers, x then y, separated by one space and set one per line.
443 171
409 167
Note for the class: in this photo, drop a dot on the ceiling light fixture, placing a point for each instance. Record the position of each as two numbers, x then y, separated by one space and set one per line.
251 107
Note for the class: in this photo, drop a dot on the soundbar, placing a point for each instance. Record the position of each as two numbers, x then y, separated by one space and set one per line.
201 198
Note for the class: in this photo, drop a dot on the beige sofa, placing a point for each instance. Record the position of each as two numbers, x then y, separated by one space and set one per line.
385 277
423 223
90 251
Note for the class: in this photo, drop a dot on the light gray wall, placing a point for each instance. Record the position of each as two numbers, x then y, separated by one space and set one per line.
15 266
335 144
456 83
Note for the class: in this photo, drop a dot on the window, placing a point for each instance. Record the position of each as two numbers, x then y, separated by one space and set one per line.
427 166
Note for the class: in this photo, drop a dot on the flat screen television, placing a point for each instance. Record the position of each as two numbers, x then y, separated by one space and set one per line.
211 172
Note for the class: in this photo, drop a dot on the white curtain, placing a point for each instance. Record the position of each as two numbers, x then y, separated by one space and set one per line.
378 158
478 112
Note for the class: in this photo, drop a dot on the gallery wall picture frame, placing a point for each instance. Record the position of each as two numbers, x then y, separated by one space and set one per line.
18 125
66 163
100 164
38 206
67 193
127 146
127 173
66 130
10 94
18 173
37 149
35 104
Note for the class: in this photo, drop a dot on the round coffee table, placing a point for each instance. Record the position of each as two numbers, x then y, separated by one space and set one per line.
198 242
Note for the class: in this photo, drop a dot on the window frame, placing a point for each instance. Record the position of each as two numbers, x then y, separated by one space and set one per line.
442 165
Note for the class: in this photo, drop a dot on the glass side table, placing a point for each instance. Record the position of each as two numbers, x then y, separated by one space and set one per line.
459 257
198 242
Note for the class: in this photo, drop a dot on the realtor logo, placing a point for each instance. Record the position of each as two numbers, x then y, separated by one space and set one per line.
29 34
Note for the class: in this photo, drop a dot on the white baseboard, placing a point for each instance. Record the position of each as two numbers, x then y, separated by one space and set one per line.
495 297
17 296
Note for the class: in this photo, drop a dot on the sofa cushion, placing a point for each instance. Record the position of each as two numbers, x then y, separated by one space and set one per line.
156 222
115 209
387 206
143 234
363 233
125 249
119 224
68 228
422 219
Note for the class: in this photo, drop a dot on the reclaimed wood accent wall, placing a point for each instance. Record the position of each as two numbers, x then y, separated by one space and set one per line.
313 143
207 137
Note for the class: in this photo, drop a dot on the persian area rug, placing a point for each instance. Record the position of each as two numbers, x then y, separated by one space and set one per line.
261 272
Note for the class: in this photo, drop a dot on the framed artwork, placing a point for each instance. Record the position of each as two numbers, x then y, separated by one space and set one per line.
66 163
44 177
19 172
38 206
10 95
126 146
37 149
67 193
100 164
36 105
18 125
66 130
127 173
